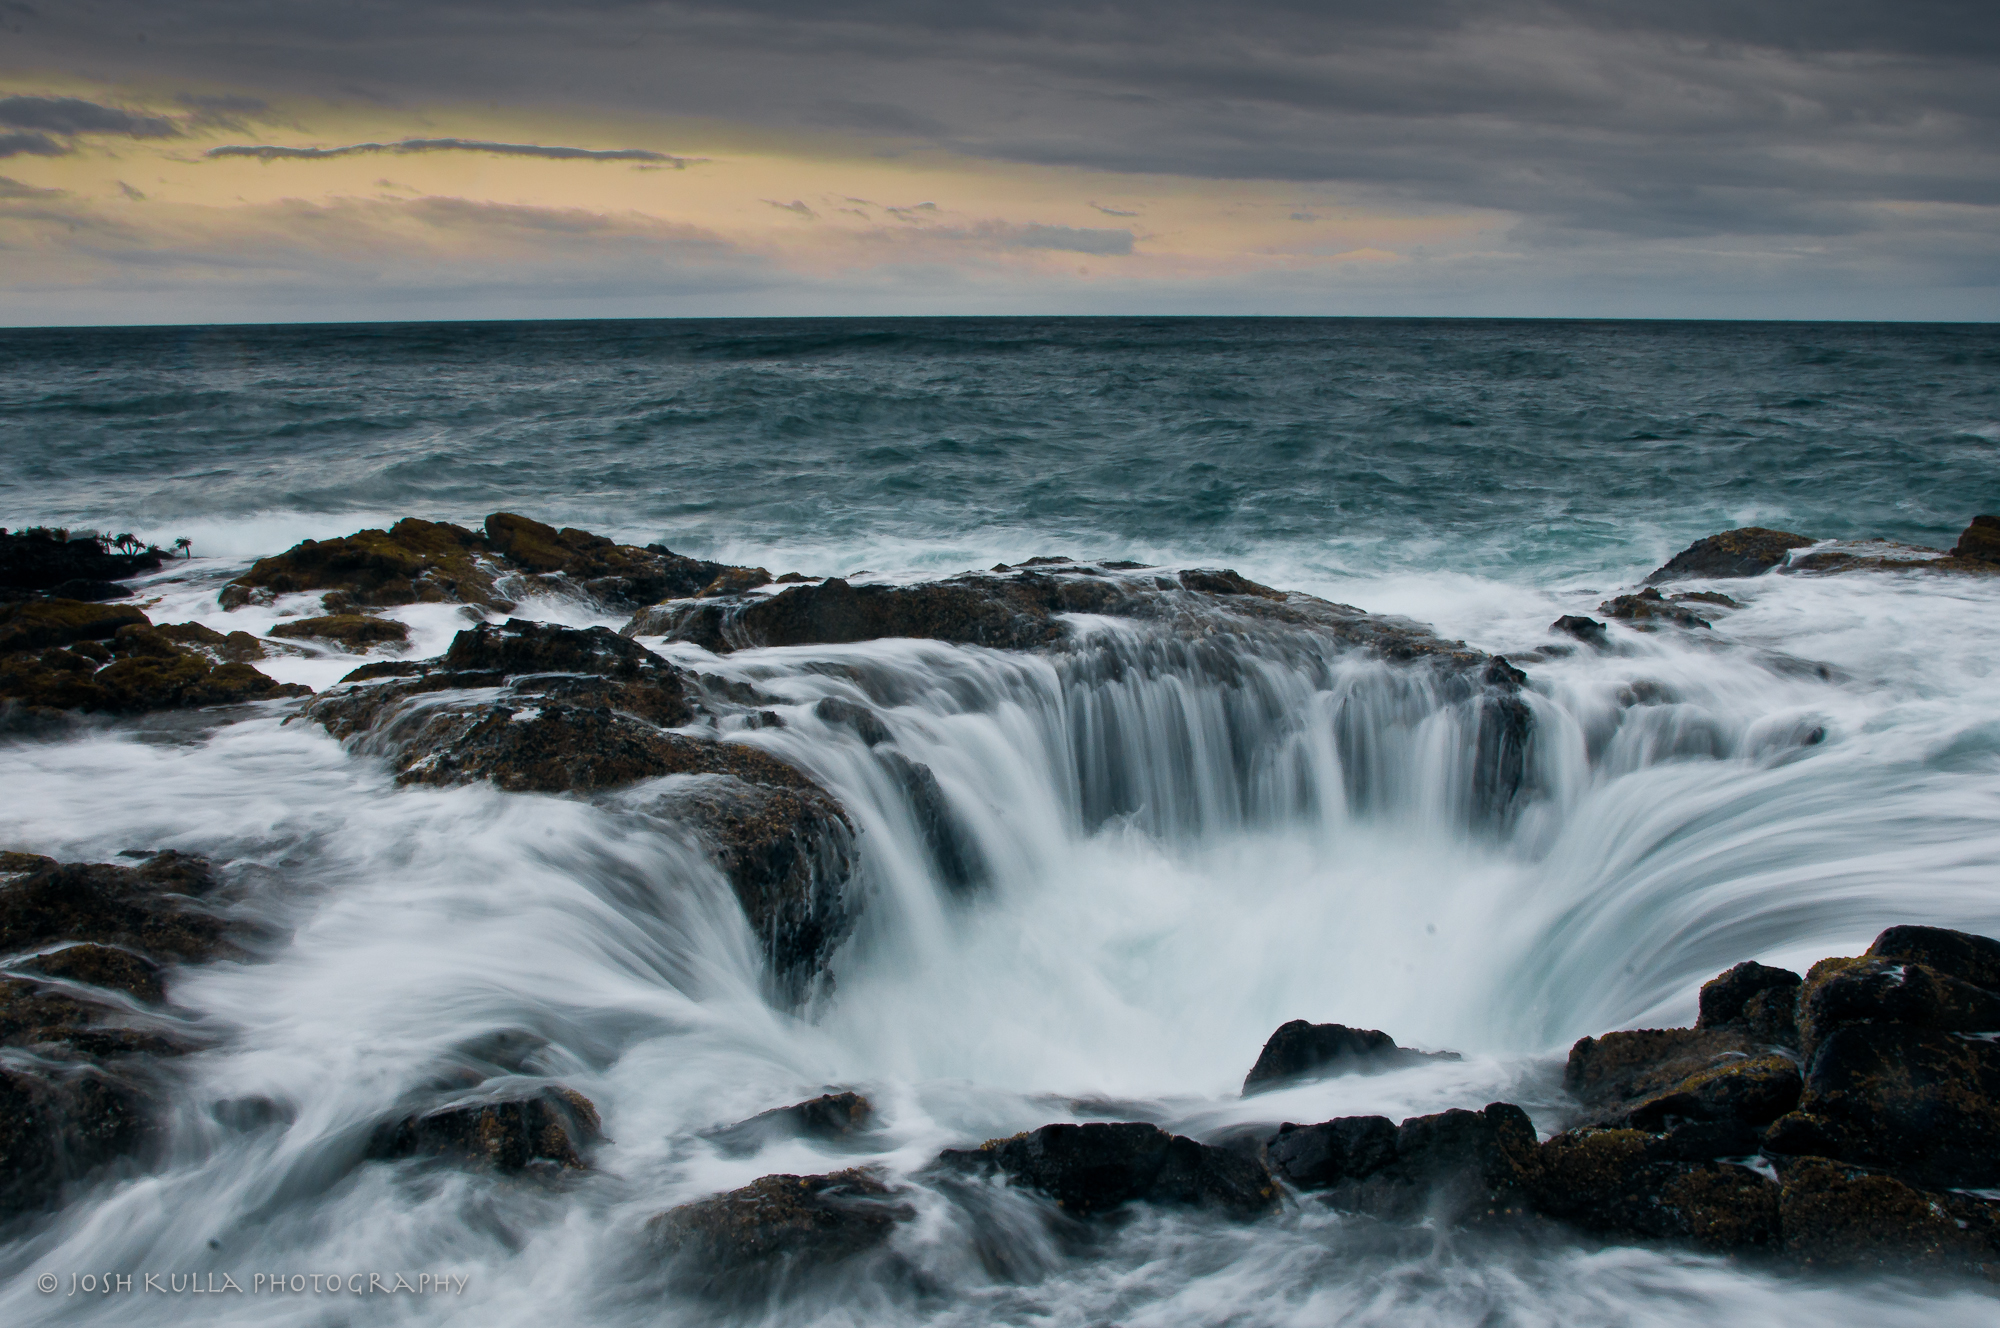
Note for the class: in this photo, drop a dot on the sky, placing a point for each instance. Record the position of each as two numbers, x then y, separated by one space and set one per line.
173 161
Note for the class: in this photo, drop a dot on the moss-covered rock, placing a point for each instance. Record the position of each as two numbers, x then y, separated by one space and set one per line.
1839 1216
355 631
111 660
1616 1072
1649 609
153 908
38 624
412 562
1627 1182
1980 541
829 1118
109 966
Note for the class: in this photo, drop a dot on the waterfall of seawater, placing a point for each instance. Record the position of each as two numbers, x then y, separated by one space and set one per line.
1143 853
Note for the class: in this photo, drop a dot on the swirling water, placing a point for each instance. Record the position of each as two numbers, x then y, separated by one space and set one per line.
1178 849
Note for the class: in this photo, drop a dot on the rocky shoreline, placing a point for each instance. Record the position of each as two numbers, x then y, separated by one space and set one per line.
1847 1117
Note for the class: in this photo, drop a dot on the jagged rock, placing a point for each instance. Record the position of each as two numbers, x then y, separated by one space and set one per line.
554 709
1313 1157
955 855
1980 541
1587 630
39 559
149 908
776 1226
1618 1071
411 562
1954 954
106 966
1457 1165
1090 1169
831 1117
1756 999
435 562
1841 992
59 655
356 631
1840 1216
1629 1183
552 1126
1299 1050
1648 608
1749 551
229 648
40 624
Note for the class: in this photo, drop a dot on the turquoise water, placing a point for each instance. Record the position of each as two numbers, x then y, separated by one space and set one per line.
1517 450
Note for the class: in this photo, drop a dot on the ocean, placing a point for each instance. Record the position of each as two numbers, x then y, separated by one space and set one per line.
1172 871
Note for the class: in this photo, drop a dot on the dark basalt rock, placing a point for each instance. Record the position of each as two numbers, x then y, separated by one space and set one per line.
107 966
866 724
1299 1050
1587 630
1091 1169
355 631
551 1126
567 710
1980 541
151 908
831 1118
1724 999
1457 1165
1954 954
1630 1183
39 559
777 1226
955 856
59 655
1615 1073
1649 608
81 1094
1750 551
1839 1216
435 562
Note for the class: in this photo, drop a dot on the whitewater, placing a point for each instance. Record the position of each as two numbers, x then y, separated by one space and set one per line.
1170 850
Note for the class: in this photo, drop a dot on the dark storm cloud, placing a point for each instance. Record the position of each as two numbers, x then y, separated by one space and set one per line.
265 152
30 145
73 115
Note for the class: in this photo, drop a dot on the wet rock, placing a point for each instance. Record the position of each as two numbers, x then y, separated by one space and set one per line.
1587 630
355 631
1313 1157
412 562
1299 1050
955 856
617 575
39 559
1749 551
1954 954
1756 998
776 1226
1648 609
535 707
1628 1183
830 1118
866 724
90 591
1091 1169
1470 1166
40 624
1754 1090
109 659
1980 541
57 1123
1616 1072
1842 992
151 908
1839 1216
107 966
552 1126
223 648
1714 597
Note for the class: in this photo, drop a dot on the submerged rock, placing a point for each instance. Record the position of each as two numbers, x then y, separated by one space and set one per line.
777 1226
1749 551
1457 1165
1299 1050
536 707
1649 608
62 655
1091 1169
551 1126
81 1092
830 1118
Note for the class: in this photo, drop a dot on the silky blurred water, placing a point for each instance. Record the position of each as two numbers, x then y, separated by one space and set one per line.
1177 856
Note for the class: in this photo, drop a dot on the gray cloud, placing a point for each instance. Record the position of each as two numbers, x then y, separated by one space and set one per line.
797 206
14 189
73 115
265 152
30 145
1113 212
1075 239
1645 136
